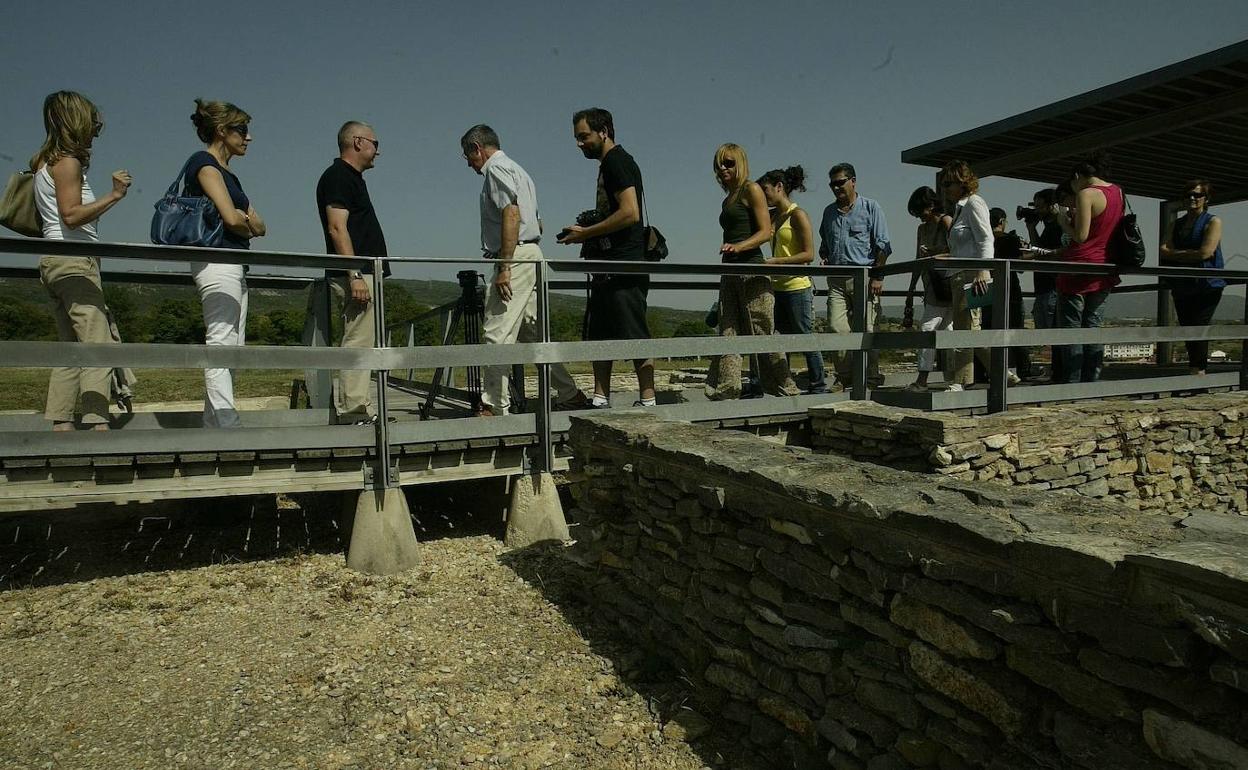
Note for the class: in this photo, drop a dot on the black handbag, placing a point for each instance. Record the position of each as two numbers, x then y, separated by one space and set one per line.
654 243
186 220
1126 245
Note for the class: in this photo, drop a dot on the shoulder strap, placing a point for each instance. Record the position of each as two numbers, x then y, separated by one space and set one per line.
172 192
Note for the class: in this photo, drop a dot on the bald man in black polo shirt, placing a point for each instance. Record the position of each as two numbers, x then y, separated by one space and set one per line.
350 225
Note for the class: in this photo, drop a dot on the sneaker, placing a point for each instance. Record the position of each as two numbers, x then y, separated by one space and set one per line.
915 387
1013 379
818 390
639 404
953 387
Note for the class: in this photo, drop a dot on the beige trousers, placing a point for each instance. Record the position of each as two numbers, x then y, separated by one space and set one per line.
81 316
353 388
747 305
960 362
515 320
840 307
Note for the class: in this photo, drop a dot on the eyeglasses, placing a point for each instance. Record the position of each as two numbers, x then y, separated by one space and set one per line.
1196 196
376 144
837 184
726 163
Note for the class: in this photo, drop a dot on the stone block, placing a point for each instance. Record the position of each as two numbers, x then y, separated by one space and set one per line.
1074 686
789 715
766 732
803 638
917 749
1180 687
731 680
898 705
847 713
734 553
874 624
938 629
798 577
969 689
1191 746
1095 488
1100 746
838 734
791 529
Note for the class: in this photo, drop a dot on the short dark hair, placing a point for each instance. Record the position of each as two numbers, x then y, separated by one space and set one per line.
793 178
921 200
1047 196
1096 164
997 215
848 168
479 134
597 119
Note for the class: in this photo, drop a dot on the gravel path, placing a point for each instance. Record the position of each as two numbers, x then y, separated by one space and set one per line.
299 663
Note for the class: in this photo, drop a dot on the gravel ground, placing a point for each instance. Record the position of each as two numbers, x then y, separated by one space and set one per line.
292 661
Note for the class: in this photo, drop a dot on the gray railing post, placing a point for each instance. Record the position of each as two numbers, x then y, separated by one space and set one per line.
858 322
1243 351
998 357
411 343
316 333
1165 214
546 450
384 476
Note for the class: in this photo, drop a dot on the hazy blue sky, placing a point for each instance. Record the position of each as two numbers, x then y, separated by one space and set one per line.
796 82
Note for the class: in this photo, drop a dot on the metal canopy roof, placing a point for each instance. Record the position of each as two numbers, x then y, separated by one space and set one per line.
1161 128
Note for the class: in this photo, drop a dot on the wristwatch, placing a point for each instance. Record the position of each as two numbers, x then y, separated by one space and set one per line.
356 275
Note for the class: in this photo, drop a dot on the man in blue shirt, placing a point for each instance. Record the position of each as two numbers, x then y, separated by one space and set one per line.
853 232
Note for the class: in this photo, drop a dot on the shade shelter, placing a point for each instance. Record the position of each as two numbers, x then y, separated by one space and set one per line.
1160 128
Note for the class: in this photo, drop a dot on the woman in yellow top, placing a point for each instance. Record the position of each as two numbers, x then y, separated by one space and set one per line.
793 244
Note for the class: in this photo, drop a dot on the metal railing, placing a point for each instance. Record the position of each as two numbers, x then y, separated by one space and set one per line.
551 275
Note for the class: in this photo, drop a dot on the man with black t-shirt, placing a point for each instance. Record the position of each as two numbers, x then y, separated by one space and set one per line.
350 225
617 303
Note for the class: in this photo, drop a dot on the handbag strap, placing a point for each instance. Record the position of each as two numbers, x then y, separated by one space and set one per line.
172 192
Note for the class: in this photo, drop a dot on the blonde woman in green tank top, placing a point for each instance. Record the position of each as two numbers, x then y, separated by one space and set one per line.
746 302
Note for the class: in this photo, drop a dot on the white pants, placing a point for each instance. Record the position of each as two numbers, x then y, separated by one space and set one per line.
935 318
223 293
515 320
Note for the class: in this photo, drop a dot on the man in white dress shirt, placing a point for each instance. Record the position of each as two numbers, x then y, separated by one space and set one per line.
510 233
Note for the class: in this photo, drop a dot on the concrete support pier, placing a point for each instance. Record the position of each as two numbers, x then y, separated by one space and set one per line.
382 539
535 513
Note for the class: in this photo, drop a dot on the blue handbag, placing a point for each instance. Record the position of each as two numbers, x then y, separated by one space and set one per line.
186 221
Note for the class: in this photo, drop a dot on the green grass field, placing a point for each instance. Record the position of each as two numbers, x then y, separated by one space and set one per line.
28 388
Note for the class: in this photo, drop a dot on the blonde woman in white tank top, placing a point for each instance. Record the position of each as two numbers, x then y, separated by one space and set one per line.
69 211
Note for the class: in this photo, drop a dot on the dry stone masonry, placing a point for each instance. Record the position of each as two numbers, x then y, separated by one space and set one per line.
1171 455
840 614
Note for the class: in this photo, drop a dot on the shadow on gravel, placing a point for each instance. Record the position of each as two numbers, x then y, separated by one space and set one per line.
55 547
670 694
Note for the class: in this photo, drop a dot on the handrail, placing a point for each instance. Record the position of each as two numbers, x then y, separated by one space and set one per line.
383 358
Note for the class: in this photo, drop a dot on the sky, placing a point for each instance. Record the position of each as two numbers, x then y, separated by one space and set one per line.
802 82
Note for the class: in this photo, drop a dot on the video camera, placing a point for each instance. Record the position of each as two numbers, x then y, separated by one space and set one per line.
1028 214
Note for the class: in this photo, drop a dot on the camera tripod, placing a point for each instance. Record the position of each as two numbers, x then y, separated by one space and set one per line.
468 318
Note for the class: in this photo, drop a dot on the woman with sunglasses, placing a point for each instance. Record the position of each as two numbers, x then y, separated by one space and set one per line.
223 127
69 211
746 302
931 239
970 237
1195 240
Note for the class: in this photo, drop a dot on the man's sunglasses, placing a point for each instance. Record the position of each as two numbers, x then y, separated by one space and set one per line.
837 184
376 144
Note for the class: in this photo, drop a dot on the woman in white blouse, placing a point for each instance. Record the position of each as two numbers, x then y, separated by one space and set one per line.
970 237
70 211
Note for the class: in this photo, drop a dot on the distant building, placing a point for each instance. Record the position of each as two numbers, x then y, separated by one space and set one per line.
1130 351
1217 355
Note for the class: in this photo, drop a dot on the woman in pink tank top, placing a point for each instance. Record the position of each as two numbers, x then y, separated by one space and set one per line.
1098 210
